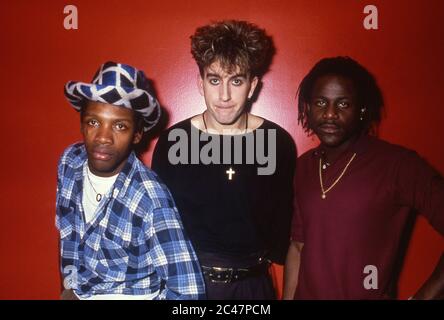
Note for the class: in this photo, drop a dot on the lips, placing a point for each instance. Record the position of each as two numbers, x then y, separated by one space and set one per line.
101 154
224 107
329 128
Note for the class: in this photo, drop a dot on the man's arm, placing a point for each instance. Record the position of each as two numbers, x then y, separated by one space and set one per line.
283 198
291 270
174 258
433 288
420 186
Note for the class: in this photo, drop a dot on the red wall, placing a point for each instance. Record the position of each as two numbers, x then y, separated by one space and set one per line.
38 56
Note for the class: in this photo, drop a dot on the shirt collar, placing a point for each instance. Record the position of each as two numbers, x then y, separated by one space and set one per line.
123 179
126 174
360 146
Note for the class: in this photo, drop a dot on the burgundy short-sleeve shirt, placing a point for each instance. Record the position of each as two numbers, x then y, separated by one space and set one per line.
357 230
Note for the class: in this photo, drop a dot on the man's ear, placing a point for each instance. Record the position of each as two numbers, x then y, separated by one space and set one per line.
137 136
254 82
200 84
81 124
81 113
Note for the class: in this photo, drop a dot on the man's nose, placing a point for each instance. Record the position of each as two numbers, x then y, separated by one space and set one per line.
330 112
104 135
225 92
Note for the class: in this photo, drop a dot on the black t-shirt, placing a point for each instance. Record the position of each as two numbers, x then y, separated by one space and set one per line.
248 214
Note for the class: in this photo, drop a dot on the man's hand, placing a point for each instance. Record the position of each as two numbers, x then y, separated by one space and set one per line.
68 294
291 270
433 288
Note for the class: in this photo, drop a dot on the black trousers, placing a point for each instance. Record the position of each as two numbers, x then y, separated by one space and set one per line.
256 287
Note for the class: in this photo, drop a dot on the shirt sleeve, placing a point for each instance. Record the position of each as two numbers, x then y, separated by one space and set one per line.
58 190
174 258
297 231
63 188
284 199
421 187
159 163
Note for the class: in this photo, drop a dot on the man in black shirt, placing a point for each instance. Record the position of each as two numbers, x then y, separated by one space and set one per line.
230 172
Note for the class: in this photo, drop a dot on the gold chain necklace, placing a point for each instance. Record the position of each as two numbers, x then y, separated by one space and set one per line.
324 191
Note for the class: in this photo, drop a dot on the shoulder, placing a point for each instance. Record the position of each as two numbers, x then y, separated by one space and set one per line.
284 141
404 161
168 138
182 126
281 133
286 151
306 156
73 151
390 150
148 183
73 155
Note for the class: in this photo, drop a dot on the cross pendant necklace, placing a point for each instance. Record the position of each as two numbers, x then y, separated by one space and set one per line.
229 172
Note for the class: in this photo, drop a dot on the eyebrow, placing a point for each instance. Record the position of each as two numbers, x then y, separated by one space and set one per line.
338 98
238 75
88 114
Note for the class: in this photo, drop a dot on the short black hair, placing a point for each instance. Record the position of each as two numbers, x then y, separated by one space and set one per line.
367 91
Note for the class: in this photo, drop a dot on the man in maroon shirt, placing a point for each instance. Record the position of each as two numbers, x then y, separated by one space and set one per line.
355 194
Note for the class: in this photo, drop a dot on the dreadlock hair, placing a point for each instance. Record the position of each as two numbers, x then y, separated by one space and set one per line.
234 44
369 95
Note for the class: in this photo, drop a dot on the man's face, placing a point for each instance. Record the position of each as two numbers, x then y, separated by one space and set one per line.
333 112
225 94
109 133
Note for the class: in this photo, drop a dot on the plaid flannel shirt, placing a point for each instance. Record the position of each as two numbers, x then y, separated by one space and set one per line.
135 243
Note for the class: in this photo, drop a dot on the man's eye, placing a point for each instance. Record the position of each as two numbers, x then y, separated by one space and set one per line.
93 123
320 103
343 104
214 81
120 126
237 82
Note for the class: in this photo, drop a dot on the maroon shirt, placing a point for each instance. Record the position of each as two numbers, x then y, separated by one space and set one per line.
363 218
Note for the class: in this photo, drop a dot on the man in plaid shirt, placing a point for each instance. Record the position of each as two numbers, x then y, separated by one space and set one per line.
121 236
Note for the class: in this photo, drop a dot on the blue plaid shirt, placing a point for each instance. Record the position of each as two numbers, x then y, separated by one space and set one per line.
135 243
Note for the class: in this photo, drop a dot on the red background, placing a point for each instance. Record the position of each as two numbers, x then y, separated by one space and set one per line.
39 56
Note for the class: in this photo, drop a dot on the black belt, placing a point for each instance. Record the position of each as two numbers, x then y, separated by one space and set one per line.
227 275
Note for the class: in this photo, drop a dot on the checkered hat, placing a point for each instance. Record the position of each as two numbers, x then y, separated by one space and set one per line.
120 85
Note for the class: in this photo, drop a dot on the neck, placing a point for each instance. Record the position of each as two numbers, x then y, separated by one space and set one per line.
240 126
102 177
332 153
107 174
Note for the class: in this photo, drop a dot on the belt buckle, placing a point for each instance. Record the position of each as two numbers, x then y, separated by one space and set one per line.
228 279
